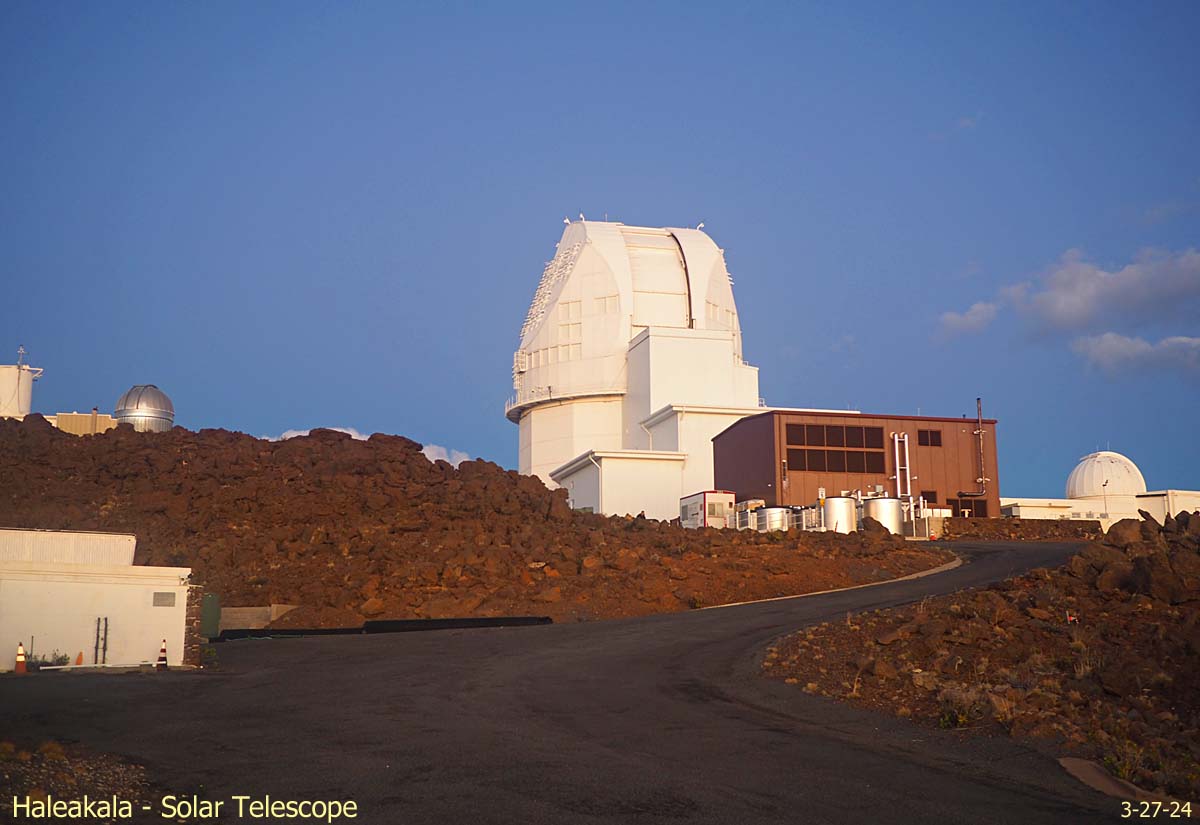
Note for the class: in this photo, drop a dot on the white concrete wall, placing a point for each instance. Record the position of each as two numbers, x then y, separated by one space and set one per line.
558 432
583 488
1157 504
56 605
67 547
633 485
696 432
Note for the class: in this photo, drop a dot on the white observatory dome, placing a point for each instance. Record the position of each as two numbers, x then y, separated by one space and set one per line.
147 408
1088 478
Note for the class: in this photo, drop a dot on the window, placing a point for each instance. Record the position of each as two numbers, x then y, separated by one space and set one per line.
874 461
815 460
835 460
854 436
569 310
835 436
856 462
814 435
568 333
606 305
930 496
969 507
795 460
873 439
716 509
575 352
795 434
929 438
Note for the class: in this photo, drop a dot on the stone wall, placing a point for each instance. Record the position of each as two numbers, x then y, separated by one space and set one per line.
191 634
1016 529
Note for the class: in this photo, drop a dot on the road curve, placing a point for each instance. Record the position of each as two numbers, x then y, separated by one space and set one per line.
660 719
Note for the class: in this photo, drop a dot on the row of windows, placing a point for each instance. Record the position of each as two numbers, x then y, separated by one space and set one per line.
970 507
929 438
834 461
570 333
830 435
570 310
724 316
553 355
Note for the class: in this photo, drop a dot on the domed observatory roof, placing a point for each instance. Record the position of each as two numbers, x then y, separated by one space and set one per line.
606 283
147 408
1088 479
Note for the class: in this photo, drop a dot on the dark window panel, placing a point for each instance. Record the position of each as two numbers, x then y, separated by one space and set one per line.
873 438
835 436
981 510
855 462
795 460
816 460
930 496
874 462
795 435
835 461
815 435
923 438
935 438
854 436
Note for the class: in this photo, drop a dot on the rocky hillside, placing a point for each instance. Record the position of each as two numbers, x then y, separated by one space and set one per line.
1098 659
351 529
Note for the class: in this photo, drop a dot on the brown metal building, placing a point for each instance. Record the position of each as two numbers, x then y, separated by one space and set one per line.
785 457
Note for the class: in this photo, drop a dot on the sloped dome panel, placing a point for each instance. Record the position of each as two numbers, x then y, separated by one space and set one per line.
1105 473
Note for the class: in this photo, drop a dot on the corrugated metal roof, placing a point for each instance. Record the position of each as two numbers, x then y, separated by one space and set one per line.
67 547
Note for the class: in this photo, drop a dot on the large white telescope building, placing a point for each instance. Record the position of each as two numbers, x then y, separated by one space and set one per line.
630 362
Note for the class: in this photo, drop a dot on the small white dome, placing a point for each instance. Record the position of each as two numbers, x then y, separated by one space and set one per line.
1088 479
147 408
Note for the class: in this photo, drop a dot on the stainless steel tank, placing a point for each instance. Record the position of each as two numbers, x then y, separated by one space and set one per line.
841 514
886 511
772 518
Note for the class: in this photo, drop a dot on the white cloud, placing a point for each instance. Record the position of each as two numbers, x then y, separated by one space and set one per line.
1115 353
435 452
968 122
976 318
1076 294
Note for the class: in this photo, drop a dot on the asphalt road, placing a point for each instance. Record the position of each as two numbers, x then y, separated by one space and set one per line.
663 719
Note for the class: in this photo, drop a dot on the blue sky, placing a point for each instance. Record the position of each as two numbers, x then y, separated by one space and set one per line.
298 214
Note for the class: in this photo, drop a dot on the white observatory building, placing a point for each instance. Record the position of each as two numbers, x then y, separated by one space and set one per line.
630 362
1104 486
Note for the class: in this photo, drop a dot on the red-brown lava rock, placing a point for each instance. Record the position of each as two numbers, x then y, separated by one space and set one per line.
1099 658
351 529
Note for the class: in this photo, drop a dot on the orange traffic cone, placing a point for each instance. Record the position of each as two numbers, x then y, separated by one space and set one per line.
20 668
161 664
79 659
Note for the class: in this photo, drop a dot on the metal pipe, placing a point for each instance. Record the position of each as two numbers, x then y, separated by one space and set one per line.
982 480
599 484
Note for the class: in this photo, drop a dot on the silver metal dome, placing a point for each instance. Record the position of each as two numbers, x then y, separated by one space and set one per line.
147 408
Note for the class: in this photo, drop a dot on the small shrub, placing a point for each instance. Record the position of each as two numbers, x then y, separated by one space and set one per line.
1125 759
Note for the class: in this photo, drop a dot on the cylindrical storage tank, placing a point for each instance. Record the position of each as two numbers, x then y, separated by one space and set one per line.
147 408
772 518
886 511
841 514
16 390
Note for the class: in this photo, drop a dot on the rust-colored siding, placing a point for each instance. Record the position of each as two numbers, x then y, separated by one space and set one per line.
740 450
752 457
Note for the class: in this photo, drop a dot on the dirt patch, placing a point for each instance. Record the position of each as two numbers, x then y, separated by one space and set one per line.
66 772
354 530
1097 659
